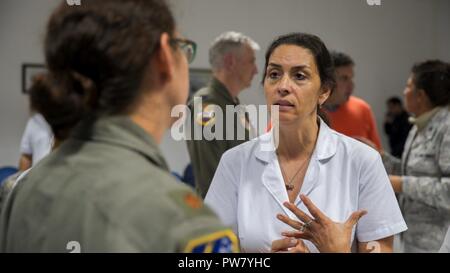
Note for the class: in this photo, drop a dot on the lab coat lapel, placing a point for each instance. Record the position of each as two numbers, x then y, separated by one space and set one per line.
310 181
326 147
272 180
271 176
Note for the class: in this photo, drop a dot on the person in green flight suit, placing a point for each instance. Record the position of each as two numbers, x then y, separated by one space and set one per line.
116 68
232 59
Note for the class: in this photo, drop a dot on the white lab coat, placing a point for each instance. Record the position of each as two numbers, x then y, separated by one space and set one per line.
344 175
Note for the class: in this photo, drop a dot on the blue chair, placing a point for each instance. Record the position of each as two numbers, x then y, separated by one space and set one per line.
5 172
188 176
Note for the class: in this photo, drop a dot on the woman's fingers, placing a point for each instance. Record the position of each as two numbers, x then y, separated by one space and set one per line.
283 245
289 221
305 218
354 217
297 234
315 211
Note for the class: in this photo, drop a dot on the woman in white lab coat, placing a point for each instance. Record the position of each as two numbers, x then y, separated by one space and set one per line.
305 165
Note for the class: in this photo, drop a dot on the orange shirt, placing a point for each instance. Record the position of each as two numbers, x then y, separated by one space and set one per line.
355 119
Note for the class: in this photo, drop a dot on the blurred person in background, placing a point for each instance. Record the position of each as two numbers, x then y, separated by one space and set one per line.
232 59
37 138
346 113
422 176
396 126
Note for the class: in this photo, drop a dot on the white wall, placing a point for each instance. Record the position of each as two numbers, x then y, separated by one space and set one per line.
384 41
443 31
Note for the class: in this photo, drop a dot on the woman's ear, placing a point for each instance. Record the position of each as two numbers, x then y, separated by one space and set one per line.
326 92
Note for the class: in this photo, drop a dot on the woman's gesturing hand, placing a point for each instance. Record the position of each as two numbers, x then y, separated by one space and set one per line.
326 235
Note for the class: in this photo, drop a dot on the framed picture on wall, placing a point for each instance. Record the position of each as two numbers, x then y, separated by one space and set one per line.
198 78
29 70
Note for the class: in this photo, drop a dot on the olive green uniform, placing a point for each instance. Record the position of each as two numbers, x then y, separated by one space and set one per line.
205 154
108 189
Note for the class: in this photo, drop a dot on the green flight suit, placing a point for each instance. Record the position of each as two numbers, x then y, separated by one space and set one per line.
108 189
205 154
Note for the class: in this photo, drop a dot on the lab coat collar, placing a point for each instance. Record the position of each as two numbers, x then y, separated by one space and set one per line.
325 147
272 177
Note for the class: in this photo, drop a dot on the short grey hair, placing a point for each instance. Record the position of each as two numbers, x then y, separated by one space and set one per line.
230 41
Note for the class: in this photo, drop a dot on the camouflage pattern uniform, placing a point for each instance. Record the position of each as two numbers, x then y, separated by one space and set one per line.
425 169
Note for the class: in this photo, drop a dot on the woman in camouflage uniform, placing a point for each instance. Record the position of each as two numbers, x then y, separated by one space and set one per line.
422 177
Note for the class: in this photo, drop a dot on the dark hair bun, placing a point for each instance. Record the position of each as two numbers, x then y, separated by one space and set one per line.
62 102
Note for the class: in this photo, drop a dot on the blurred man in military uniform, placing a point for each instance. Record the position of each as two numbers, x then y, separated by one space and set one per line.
232 59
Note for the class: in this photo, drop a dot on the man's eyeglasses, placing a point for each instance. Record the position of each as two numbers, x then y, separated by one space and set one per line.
189 48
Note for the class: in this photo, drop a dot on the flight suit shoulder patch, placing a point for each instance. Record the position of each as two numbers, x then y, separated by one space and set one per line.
207 115
223 241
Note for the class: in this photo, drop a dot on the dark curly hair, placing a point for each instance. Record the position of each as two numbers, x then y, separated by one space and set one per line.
433 77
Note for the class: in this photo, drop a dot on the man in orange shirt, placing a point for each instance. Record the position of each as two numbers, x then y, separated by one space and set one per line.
348 114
